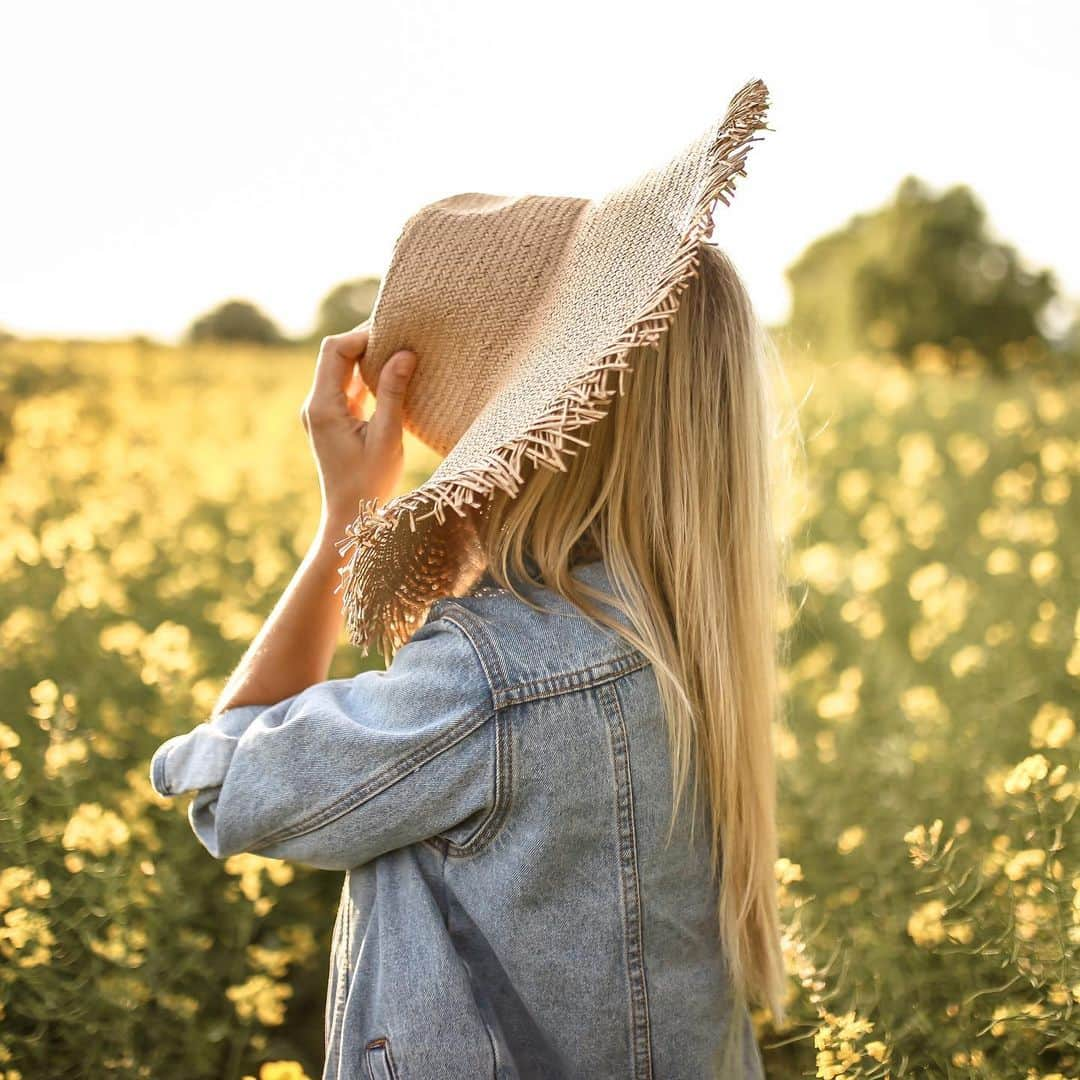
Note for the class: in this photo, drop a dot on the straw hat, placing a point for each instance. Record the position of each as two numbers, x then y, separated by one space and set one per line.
519 310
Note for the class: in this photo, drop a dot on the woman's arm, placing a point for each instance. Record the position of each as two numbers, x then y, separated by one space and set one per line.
356 459
296 644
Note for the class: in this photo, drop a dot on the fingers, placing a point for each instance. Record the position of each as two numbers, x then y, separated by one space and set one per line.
390 397
351 344
356 392
338 354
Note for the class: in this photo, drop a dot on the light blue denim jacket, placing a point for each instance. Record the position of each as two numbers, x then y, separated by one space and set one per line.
498 799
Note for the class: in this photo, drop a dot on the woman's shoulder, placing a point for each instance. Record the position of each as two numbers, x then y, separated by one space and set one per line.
536 636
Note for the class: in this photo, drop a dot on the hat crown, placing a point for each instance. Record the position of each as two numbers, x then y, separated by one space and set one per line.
464 291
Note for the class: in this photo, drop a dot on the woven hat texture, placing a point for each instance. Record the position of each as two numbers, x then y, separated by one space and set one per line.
521 311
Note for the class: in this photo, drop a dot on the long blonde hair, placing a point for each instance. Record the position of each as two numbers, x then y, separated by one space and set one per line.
674 492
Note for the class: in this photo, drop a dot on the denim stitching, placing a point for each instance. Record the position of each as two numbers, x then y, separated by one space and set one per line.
631 893
347 941
490 826
338 983
493 823
481 642
571 682
486 831
546 686
504 795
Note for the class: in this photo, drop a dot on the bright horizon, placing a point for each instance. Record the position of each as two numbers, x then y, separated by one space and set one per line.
161 161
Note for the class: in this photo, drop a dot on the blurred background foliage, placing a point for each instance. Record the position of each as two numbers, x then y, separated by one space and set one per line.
924 269
156 500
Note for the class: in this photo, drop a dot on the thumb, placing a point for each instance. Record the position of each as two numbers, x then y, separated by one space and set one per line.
390 394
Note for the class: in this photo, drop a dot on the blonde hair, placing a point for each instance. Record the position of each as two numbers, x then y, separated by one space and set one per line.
673 491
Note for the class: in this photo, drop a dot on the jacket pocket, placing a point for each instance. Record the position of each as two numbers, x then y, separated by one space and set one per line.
380 1065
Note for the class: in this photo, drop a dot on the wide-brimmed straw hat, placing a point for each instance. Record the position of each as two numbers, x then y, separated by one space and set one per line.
521 312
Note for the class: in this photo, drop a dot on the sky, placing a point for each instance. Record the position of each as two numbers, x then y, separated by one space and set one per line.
159 159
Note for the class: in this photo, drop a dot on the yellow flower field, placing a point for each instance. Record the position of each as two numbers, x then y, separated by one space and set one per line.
155 502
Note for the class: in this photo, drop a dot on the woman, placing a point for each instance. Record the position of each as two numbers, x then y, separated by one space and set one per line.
529 892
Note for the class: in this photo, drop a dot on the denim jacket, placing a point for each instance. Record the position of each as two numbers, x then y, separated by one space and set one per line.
498 799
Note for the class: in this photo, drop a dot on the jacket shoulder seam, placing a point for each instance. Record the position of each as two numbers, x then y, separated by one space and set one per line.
571 682
472 629
504 694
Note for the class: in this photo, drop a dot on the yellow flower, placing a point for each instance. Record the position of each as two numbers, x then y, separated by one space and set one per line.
1052 406
1011 417
250 868
25 938
969 452
923 707
852 487
963 932
838 705
966 660
869 570
45 696
1026 773
1023 862
1044 567
1015 485
95 829
1002 560
919 459
124 638
823 567
21 883
260 997
1052 726
788 871
282 1070
877 1050
850 839
166 652
1055 455
63 753
925 925
926 579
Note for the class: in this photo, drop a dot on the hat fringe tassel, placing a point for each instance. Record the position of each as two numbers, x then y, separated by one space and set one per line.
379 616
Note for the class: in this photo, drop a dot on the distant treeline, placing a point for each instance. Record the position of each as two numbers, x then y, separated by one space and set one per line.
922 270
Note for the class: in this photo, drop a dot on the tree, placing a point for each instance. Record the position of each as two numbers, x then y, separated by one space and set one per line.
921 269
1071 340
235 320
345 306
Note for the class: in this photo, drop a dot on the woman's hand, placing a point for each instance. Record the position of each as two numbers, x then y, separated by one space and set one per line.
356 459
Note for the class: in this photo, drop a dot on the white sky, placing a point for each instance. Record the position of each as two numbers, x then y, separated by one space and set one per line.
157 159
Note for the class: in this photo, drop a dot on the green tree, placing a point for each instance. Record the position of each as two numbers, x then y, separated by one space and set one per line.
345 306
921 269
1071 342
235 320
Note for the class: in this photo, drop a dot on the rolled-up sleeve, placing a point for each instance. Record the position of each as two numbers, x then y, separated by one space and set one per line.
346 769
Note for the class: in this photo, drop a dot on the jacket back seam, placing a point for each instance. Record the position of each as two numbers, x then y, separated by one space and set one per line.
630 889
